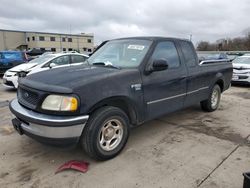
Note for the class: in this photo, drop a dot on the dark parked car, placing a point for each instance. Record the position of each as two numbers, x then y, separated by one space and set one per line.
9 59
127 82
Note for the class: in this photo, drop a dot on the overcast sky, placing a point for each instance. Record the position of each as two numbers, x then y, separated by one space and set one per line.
204 19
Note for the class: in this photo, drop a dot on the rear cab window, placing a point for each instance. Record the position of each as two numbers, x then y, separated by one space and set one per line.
188 53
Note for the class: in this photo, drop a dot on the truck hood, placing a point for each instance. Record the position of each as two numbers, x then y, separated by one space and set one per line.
23 67
66 79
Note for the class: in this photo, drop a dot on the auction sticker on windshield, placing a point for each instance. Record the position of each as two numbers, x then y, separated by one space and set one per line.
136 47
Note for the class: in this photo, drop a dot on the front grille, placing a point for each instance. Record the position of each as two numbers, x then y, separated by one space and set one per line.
28 98
243 77
9 83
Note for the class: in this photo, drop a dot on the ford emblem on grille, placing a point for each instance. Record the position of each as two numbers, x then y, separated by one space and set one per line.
26 95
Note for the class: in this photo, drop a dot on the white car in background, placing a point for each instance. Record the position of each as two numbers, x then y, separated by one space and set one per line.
42 63
241 69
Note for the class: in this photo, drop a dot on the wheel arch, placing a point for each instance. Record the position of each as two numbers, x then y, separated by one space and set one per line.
219 80
220 83
121 102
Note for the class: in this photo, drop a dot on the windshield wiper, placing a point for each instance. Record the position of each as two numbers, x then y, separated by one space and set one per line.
106 64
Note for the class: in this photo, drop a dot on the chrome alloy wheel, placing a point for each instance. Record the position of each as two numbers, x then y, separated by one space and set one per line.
110 134
215 98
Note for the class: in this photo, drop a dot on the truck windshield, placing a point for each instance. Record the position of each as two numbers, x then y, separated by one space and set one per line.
125 53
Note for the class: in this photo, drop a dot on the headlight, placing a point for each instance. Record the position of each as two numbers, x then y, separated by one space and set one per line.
22 74
60 103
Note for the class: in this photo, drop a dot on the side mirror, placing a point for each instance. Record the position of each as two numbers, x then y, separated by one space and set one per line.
51 65
159 65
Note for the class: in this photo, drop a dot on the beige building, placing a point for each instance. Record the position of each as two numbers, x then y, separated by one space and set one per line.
56 42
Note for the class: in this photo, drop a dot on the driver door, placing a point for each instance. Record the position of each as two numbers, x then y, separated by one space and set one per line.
165 91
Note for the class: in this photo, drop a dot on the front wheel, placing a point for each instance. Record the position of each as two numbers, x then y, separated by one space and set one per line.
106 133
212 103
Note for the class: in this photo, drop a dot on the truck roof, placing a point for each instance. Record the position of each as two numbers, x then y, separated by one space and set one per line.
153 38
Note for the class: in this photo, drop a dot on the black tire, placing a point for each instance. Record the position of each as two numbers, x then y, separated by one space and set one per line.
208 105
93 130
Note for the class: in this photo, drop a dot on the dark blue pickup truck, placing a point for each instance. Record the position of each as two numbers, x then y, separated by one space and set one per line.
125 83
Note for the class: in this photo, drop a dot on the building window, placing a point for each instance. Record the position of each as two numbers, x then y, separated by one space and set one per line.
89 40
33 38
52 39
70 49
89 50
84 49
41 38
63 39
64 49
28 39
53 49
42 49
69 39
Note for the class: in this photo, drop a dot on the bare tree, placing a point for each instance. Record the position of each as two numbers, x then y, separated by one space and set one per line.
235 44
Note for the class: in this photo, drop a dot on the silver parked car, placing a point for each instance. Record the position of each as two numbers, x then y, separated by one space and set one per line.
241 69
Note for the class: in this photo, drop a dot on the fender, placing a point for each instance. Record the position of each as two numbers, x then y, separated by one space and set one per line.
220 80
123 102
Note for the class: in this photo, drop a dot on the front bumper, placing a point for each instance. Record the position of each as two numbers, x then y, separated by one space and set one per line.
48 129
241 78
10 81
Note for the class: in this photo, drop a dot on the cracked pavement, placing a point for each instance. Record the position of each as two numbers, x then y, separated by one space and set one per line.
189 148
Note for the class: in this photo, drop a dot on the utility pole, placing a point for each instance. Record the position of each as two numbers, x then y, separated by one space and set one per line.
70 36
190 37
4 41
61 43
78 44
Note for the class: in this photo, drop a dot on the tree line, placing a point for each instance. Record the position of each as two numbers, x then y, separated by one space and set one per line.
229 44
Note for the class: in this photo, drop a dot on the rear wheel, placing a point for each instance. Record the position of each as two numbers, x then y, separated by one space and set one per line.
212 103
106 133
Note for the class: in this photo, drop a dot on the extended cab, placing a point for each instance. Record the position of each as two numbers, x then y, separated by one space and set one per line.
126 82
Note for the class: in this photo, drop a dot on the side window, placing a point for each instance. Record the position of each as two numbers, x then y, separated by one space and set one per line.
167 51
77 58
63 60
188 53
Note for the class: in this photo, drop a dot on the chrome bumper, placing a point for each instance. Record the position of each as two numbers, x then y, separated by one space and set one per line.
48 126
